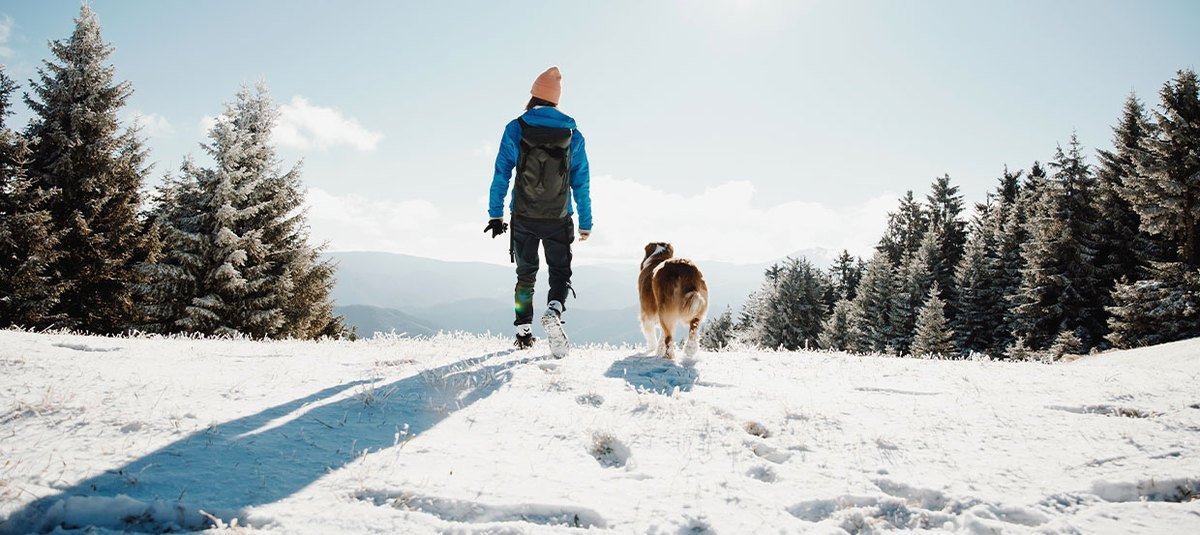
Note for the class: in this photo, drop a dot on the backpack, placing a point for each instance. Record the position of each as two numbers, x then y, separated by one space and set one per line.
543 173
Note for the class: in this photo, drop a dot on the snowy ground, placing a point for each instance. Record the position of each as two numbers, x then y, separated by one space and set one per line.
459 434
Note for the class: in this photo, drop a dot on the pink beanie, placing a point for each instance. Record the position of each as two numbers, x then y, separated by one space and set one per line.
548 85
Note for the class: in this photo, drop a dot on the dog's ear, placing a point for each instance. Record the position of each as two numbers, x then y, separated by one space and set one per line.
650 248
670 250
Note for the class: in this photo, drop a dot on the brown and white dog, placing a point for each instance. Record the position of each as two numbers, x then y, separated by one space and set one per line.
671 289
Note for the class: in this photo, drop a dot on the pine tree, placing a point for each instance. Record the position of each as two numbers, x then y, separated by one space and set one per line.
846 273
1122 250
945 215
1014 234
792 306
717 333
874 306
1058 288
978 278
96 170
1162 308
28 291
914 279
906 226
238 260
171 280
840 332
933 336
1165 190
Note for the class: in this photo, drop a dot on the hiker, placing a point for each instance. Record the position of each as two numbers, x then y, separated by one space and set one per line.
551 169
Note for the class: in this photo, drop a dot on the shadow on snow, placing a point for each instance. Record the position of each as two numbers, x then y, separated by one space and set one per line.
261 459
654 374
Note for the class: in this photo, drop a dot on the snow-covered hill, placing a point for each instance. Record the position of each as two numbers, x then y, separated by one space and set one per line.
460 434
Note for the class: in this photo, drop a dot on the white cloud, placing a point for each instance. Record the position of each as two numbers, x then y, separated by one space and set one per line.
722 223
304 126
356 223
206 124
152 124
6 31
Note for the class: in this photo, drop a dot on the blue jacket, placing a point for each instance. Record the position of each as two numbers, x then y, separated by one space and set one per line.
506 160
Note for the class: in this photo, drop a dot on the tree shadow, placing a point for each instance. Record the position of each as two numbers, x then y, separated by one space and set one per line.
265 457
654 374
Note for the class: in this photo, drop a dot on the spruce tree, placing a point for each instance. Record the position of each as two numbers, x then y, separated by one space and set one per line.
914 279
96 170
1014 235
1058 288
945 215
1122 249
980 303
874 306
28 291
846 273
237 254
905 228
1165 190
933 335
717 333
840 332
1162 308
792 307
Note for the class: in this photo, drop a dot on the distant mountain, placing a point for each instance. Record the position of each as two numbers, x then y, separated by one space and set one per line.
379 292
369 320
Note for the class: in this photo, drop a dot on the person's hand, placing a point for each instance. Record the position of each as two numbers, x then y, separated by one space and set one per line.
583 235
497 226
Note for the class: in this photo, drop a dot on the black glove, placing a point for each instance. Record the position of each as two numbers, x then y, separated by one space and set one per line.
497 226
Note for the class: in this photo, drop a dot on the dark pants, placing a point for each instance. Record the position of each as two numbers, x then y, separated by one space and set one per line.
555 238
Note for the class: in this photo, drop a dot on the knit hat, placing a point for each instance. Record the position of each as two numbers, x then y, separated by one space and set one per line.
548 85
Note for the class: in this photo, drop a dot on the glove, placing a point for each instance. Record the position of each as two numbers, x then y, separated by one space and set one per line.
497 226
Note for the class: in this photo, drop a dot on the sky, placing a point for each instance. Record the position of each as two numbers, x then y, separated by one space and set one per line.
739 130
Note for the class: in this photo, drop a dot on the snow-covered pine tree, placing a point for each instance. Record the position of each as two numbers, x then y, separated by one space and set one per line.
28 291
1122 250
1014 234
1165 191
914 279
906 226
171 280
1058 289
875 303
1162 308
840 332
933 335
945 215
793 306
717 333
97 170
237 256
846 272
980 303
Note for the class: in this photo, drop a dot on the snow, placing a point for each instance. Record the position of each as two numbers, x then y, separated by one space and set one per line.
459 434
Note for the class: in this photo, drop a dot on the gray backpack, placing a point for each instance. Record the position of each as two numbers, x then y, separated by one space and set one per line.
543 186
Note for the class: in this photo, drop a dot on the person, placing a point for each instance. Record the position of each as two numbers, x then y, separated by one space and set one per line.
551 184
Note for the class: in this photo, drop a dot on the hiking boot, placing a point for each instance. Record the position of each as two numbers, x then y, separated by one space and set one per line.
524 341
553 326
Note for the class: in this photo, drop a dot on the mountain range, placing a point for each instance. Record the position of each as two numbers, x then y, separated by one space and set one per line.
380 292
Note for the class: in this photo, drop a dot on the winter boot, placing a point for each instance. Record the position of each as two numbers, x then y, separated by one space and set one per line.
525 337
552 324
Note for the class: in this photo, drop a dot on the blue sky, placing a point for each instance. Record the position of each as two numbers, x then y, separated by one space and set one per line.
742 130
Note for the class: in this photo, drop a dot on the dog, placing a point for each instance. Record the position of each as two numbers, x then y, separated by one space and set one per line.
671 290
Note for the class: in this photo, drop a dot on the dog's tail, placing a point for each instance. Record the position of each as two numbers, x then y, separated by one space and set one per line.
694 303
